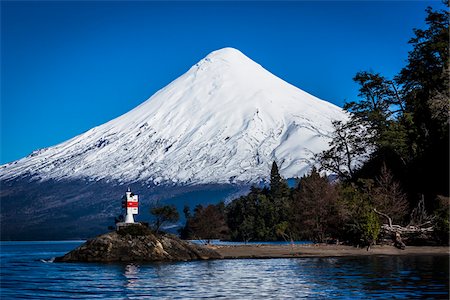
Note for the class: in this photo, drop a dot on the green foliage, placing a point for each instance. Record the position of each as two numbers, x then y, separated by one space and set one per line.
282 230
398 127
428 60
425 82
362 225
278 185
163 215
134 230
369 227
376 98
258 215
379 109
350 146
407 117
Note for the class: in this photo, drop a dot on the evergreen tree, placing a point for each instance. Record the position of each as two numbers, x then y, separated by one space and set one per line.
186 231
256 216
279 197
278 185
241 214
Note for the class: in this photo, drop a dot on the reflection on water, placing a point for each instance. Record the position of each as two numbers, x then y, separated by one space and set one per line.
23 275
131 274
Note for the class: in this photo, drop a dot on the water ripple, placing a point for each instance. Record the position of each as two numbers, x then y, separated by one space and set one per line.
25 276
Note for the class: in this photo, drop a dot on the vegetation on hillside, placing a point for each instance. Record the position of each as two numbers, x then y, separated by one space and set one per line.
391 158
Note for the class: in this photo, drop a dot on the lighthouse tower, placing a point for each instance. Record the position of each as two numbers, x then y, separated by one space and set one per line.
130 202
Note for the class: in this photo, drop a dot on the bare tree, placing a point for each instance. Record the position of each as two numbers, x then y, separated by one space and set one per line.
315 213
388 197
209 222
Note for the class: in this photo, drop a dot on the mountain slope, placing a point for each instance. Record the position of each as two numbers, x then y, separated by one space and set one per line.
223 121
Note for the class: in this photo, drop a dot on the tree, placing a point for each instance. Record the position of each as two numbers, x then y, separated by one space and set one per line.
428 61
241 217
387 196
315 213
209 222
164 215
369 227
379 107
373 107
277 209
186 231
256 216
362 225
404 120
350 146
278 185
425 85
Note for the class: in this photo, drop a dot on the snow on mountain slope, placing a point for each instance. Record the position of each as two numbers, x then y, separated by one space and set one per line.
225 120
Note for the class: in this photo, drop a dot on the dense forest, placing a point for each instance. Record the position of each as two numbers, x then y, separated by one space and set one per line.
391 159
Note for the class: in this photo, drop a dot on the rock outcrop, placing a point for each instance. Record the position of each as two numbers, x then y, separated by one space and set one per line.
126 247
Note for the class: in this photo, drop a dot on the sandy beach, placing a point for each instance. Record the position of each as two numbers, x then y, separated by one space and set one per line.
289 251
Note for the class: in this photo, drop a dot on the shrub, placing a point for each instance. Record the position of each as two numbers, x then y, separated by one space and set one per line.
134 230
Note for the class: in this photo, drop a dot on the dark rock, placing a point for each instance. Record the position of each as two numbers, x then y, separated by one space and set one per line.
115 247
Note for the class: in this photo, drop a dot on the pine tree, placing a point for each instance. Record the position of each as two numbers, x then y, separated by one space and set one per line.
279 198
186 231
278 185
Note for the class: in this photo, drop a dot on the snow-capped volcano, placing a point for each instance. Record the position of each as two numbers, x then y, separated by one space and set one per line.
225 120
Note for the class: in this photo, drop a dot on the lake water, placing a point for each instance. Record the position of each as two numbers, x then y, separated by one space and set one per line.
26 274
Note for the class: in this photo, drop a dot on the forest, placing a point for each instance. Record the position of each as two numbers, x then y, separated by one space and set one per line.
391 160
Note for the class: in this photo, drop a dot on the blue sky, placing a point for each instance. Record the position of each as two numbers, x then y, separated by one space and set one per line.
69 66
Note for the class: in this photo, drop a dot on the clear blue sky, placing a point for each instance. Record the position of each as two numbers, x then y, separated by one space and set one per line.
69 66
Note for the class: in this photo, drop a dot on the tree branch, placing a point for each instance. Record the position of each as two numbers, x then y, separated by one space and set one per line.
384 215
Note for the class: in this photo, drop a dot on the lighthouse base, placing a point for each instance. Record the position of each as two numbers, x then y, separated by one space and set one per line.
120 225
129 219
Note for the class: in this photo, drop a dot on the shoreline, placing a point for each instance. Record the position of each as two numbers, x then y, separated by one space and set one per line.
321 250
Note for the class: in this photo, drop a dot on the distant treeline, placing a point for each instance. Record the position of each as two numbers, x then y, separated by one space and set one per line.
391 158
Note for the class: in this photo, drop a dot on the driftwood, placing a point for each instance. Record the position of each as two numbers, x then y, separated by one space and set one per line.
396 231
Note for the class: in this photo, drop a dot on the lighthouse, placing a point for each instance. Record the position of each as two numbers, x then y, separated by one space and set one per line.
130 202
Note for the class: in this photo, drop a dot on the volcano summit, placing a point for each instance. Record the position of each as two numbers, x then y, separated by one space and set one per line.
222 122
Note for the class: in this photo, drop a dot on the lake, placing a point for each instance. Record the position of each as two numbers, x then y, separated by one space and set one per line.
27 273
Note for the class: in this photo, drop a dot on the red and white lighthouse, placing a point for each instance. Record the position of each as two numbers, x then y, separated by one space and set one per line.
131 205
